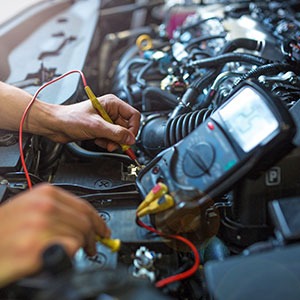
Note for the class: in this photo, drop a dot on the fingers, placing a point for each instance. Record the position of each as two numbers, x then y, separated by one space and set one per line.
78 206
115 133
59 215
81 121
36 219
132 115
107 144
65 224
120 111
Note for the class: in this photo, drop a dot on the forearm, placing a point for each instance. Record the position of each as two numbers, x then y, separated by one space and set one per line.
13 102
65 123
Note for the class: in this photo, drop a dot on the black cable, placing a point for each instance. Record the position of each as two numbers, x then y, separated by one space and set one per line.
230 46
189 98
153 95
129 57
123 196
243 43
226 58
81 152
50 158
217 63
126 79
195 52
84 190
270 69
205 38
139 78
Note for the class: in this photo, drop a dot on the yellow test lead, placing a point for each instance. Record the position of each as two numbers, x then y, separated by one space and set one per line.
96 104
156 192
163 203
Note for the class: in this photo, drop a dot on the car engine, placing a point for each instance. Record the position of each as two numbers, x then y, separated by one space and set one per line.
184 65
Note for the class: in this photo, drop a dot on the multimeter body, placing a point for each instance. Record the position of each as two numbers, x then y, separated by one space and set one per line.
251 128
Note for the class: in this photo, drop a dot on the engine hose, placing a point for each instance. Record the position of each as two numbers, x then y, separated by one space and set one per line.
139 79
128 94
230 46
83 153
49 159
153 95
124 67
243 43
226 58
194 52
200 39
270 69
122 72
182 125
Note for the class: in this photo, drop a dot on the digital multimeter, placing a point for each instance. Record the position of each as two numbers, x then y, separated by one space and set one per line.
251 127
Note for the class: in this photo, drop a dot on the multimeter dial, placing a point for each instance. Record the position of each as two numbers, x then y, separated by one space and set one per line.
199 162
185 164
198 159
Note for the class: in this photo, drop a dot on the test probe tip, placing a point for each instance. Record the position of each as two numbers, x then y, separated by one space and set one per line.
137 163
131 154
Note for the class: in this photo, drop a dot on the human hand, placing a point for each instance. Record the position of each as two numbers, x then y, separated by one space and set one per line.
81 121
36 219
66 123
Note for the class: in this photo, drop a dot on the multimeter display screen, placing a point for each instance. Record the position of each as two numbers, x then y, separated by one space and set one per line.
248 118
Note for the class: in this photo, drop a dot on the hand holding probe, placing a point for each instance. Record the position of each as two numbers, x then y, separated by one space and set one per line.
96 104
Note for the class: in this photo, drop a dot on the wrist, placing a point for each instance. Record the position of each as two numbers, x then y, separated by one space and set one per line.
41 119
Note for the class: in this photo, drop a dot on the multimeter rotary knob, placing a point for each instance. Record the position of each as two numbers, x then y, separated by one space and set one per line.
198 159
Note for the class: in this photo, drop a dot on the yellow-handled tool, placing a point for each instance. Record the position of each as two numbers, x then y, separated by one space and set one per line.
102 112
113 244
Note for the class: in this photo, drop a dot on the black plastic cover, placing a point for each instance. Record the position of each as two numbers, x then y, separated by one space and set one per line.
273 275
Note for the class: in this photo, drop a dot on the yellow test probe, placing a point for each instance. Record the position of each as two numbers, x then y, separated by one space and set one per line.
157 200
113 244
96 104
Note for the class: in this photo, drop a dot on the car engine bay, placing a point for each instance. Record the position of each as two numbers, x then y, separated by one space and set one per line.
234 191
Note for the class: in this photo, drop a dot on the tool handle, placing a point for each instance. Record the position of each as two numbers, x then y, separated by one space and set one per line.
113 244
97 105
102 112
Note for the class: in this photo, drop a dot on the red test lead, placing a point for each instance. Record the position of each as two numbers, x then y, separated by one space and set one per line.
131 154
